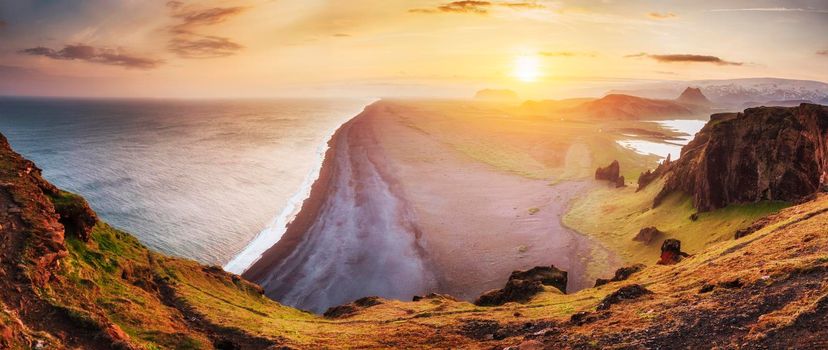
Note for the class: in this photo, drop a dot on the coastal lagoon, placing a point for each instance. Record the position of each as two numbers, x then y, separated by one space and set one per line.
686 127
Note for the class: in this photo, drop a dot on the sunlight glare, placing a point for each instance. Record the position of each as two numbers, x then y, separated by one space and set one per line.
527 68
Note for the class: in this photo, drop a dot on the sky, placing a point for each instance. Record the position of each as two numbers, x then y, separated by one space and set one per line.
414 48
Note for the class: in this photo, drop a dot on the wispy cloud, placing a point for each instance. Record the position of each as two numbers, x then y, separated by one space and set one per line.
464 6
522 5
205 17
186 41
770 9
203 46
686 58
662 15
476 7
822 52
2 24
114 57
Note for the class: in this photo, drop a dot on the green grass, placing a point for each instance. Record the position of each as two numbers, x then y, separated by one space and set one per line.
614 217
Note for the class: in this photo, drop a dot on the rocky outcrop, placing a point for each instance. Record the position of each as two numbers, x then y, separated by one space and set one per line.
523 285
75 214
620 274
633 291
350 309
671 253
611 173
649 176
648 234
768 153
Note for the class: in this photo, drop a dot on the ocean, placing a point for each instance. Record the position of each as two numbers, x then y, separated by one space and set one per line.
198 179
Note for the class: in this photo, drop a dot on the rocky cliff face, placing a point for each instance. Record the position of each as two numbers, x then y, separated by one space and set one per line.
767 153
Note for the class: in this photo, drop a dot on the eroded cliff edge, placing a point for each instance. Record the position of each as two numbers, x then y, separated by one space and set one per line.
764 153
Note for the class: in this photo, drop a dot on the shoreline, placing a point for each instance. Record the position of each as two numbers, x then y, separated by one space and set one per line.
375 221
355 235
294 229
278 228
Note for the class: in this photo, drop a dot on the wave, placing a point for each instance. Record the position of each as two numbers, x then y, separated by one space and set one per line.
271 234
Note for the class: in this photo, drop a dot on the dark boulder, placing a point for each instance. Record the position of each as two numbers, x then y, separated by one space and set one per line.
523 285
633 291
515 291
609 173
620 182
648 234
348 310
621 274
765 153
671 252
547 275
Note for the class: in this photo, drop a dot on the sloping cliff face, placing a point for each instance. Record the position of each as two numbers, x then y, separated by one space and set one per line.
766 153
68 280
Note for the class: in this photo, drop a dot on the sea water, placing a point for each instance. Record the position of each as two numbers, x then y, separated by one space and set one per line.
198 179
686 127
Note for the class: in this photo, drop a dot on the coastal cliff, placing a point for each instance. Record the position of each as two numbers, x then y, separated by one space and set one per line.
94 287
765 153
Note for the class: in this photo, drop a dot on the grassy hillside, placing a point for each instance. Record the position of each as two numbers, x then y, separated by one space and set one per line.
614 216
63 289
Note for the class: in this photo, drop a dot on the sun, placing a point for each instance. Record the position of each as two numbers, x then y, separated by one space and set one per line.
527 68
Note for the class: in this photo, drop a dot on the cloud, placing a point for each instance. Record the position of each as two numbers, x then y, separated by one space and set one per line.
463 6
186 42
687 58
204 17
522 5
476 7
662 15
770 9
2 24
566 54
114 57
341 35
202 46
822 52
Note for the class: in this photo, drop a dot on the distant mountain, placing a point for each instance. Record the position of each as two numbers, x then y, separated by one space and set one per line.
618 106
550 106
784 103
693 96
496 95
733 93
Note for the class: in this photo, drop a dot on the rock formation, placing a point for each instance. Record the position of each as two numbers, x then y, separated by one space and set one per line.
620 274
649 176
633 291
523 285
648 234
611 173
671 253
767 153
347 310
